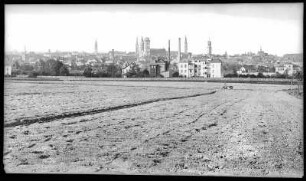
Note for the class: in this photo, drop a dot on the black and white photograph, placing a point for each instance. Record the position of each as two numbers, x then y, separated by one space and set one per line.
154 89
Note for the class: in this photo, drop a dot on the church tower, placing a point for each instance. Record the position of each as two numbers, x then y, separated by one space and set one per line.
209 48
146 46
141 47
137 47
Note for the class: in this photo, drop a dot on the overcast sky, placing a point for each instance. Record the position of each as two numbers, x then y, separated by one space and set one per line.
235 28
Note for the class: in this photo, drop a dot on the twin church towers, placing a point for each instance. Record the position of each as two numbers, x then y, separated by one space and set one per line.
143 47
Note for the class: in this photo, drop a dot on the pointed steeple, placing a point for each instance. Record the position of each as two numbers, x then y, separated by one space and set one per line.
142 44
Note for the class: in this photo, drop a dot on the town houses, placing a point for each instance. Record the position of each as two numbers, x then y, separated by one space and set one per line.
158 62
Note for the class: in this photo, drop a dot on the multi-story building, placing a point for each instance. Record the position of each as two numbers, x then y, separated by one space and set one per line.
200 68
284 68
215 68
183 68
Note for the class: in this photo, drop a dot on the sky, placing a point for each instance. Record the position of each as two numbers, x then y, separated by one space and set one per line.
234 28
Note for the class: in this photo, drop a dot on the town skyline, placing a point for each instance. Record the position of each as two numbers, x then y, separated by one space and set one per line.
68 28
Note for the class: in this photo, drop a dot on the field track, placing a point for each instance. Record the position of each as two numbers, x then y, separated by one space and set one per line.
152 128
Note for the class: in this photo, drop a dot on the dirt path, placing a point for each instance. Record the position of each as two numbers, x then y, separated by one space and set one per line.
237 132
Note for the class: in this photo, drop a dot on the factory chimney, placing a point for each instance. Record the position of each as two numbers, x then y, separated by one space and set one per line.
169 55
179 50
113 55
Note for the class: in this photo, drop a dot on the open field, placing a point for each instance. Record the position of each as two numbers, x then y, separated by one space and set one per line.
186 128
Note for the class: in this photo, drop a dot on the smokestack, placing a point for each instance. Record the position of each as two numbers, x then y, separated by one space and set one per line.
179 50
169 56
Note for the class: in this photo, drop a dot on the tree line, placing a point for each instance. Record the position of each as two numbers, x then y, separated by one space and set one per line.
48 68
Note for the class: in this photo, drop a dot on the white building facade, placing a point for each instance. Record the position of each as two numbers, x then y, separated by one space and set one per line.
215 68
200 68
282 69
8 70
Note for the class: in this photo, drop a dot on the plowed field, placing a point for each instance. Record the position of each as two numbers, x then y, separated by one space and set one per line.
178 128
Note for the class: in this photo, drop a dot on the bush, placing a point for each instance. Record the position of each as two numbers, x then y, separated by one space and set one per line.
33 74
175 74
260 75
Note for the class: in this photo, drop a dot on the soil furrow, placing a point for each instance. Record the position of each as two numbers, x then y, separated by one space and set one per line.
23 121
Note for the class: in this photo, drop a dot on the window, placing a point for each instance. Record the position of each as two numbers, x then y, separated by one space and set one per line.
185 71
185 66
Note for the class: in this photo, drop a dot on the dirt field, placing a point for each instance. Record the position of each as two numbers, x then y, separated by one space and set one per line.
180 128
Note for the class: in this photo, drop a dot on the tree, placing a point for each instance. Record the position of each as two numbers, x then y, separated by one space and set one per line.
260 75
134 71
113 70
146 73
88 72
286 73
175 74
64 71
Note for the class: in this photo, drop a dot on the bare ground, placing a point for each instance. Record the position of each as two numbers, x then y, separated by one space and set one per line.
252 130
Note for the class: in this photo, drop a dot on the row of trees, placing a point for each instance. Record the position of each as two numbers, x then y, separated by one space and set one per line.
106 71
114 71
50 67
261 75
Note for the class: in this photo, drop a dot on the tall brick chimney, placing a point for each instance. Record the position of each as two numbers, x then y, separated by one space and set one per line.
179 50
169 55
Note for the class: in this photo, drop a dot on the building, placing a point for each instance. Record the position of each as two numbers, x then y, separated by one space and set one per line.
209 48
200 68
242 70
160 68
158 52
261 53
183 68
143 49
8 70
137 48
215 68
146 47
284 68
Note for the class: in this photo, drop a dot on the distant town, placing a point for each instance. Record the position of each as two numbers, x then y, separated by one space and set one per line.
153 62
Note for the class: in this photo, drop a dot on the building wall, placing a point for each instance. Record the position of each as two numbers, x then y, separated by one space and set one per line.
215 70
147 47
183 69
282 69
204 69
8 70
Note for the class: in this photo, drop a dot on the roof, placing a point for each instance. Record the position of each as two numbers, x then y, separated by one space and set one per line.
215 61
158 51
184 61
